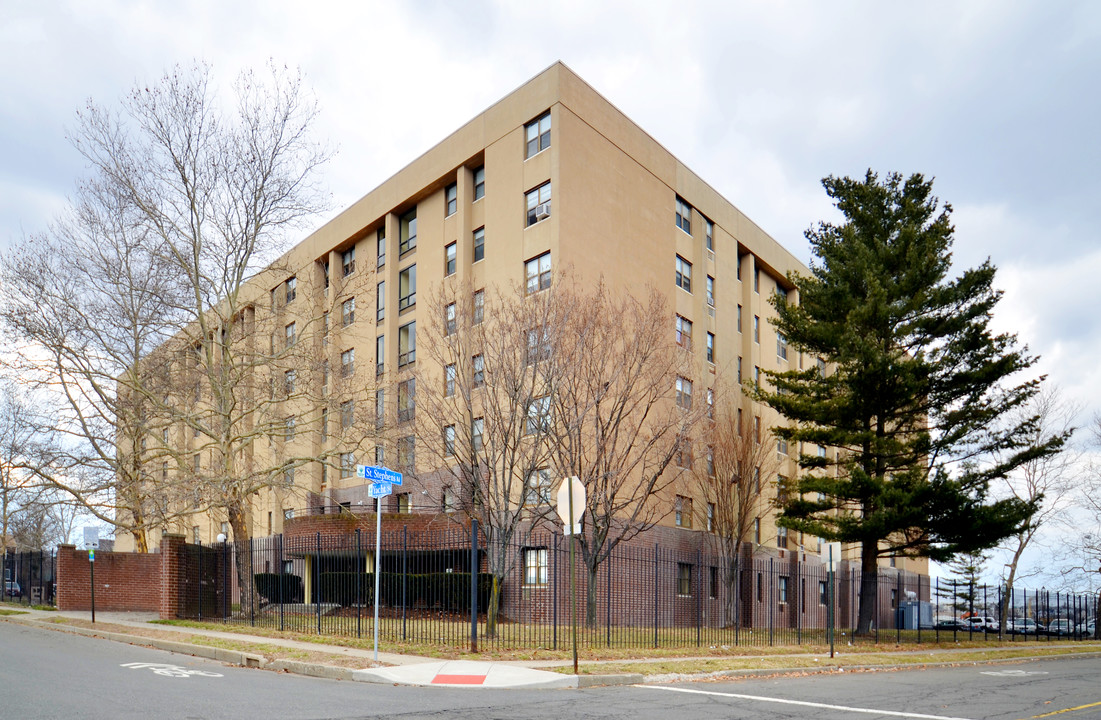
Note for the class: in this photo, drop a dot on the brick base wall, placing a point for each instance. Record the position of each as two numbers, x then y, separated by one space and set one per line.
124 581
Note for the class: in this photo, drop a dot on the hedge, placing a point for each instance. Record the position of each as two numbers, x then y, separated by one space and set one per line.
267 585
449 592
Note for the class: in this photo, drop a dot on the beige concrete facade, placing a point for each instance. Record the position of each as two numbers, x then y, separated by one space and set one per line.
613 209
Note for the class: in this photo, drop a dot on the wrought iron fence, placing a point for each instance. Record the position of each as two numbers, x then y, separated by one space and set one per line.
30 577
454 589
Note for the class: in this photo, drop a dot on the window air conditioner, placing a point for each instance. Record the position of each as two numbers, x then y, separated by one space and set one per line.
542 211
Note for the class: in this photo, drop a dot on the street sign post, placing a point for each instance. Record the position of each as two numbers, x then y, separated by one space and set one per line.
383 481
571 506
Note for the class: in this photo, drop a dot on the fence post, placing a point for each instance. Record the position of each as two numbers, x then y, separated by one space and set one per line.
656 551
225 580
771 598
555 591
404 573
898 607
281 581
359 583
608 600
317 585
699 594
473 585
200 581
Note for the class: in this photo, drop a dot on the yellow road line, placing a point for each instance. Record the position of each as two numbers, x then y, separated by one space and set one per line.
1060 712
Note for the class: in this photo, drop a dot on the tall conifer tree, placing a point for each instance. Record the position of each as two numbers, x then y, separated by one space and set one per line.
912 388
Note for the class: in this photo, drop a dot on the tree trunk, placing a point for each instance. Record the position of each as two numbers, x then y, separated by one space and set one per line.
494 605
869 585
590 596
243 556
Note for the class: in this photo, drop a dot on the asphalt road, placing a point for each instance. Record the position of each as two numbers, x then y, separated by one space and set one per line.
46 674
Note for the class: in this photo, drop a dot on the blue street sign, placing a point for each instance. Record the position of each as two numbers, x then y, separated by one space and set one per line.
380 489
378 474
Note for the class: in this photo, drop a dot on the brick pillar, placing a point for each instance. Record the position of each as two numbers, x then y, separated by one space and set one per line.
170 575
67 577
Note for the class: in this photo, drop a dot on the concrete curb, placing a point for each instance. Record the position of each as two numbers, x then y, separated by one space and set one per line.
223 655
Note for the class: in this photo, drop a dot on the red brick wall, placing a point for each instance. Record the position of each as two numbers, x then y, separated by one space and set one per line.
124 581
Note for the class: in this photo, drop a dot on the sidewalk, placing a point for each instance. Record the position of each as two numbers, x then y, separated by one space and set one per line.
393 668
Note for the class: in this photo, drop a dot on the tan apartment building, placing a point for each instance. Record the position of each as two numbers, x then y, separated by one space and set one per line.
552 176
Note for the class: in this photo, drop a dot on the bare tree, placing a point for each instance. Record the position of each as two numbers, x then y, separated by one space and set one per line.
18 450
1047 481
209 194
483 412
624 409
731 483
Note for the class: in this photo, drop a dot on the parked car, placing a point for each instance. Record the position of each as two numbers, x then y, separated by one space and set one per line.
1087 629
12 589
1060 626
1023 626
953 624
983 623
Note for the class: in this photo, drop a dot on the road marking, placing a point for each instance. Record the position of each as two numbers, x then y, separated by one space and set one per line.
804 703
1060 712
1013 673
166 670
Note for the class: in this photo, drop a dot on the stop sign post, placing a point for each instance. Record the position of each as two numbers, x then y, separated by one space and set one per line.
571 506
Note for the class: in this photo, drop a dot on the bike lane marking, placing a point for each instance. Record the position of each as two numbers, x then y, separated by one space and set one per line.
169 670
804 703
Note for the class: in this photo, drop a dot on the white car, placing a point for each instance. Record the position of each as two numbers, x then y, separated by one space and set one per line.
983 623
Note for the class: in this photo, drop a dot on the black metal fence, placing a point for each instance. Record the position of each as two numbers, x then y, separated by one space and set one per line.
30 577
437 587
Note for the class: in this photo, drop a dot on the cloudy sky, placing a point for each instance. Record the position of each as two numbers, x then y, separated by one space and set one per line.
998 100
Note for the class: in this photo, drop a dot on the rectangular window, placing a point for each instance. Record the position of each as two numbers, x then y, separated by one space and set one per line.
710 347
408 239
477 427
782 590
756 376
347 464
348 362
380 302
479 366
479 307
538 273
538 345
195 534
739 318
407 344
380 408
539 203
290 425
756 279
684 215
325 275
405 452
739 371
757 530
380 355
709 232
535 566
347 414
324 329
348 312
711 291
537 135
324 427
782 446
290 379
684 579
291 287
538 490
479 183
405 505
684 455
449 440
684 274
684 393
289 336
781 347
714 585
380 455
710 403
451 195
479 244
449 501
324 377
684 332
407 287
407 403
757 436
823 592
449 319
348 261
757 329
538 415
449 375
683 511
449 259
711 519
380 245
782 537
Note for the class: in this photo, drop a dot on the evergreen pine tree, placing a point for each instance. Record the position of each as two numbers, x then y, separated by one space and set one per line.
904 380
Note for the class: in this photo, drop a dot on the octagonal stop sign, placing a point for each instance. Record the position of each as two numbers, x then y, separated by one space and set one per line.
571 485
